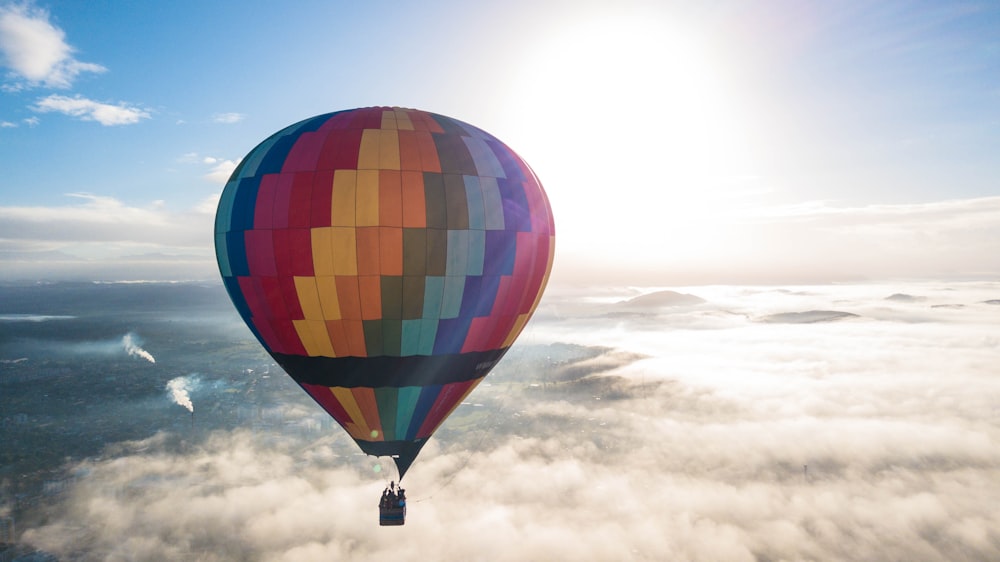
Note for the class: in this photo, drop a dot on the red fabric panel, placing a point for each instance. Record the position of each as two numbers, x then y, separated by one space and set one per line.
322 195
304 153
298 205
290 296
355 331
328 401
260 252
282 198
340 150
263 212
288 337
409 151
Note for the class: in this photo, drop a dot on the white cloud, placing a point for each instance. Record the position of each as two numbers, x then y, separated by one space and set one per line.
7 125
90 110
107 235
221 170
228 118
735 440
36 51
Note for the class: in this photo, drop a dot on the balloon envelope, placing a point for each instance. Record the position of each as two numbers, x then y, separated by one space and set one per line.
386 258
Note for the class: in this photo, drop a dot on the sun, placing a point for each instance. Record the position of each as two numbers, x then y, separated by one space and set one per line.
646 140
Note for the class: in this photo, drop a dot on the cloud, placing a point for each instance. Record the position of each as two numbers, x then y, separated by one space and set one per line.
626 439
90 110
221 171
228 118
104 238
36 51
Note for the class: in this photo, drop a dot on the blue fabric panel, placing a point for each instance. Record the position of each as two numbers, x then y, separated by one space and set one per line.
516 213
428 395
488 288
501 248
244 202
471 296
224 215
222 254
433 296
474 197
428 333
236 244
492 203
477 252
451 304
406 404
507 160
486 162
458 252
451 334
411 337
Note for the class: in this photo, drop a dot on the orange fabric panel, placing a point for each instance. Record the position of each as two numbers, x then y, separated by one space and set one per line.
390 204
365 398
428 153
327 288
349 297
413 200
391 251
368 250
370 289
409 151
355 331
338 337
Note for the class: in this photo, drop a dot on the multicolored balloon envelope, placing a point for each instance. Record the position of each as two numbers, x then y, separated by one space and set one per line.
386 258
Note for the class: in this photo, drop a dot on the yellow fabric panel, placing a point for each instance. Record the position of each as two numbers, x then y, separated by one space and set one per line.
305 287
305 335
368 154
343 202
522 319
403 122
346 399
344 249
322 251
388 150
327 288
367 198
321 339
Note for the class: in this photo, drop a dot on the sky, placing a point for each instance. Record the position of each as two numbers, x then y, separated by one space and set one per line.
728 428
679 143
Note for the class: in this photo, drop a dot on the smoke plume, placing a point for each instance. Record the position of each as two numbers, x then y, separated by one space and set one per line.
133 349
179 389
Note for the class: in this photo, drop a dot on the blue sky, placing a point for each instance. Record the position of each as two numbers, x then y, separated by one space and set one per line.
678 142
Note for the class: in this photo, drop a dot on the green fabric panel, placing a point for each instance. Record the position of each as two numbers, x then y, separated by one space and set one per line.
373 336
386 399
222 253
413 296
392 335
428 333
437 252
406 403
392 296
414 251
434 200
410 340
456 201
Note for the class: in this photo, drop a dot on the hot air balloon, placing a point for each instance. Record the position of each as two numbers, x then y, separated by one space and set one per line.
386 258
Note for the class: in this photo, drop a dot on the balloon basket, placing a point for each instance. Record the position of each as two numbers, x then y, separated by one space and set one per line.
391 516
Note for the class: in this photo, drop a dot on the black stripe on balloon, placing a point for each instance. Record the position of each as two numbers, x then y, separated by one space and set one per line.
382 371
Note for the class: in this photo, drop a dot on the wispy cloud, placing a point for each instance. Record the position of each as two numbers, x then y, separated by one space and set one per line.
103 236
90 110
36 51
228 118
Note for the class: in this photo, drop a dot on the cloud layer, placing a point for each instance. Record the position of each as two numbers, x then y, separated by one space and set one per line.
36 51
684 432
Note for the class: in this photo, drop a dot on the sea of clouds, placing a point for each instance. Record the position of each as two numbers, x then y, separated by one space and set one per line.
838 422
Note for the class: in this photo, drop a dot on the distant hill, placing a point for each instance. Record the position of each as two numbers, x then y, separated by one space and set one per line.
661 299
807 317
903 297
